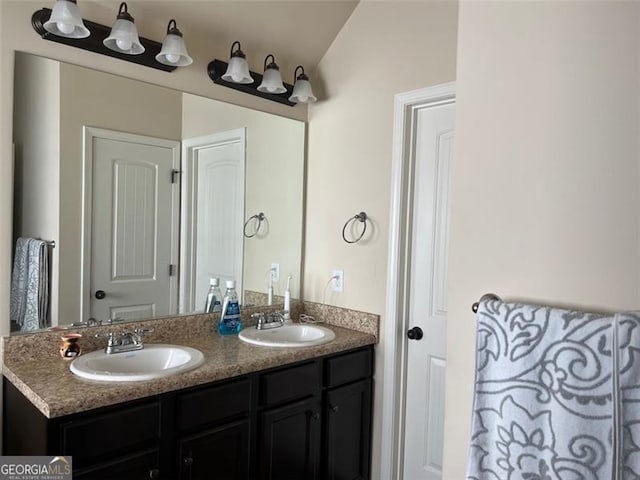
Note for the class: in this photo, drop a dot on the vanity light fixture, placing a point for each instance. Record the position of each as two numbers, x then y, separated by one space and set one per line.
100 35
238 68
236 75
174 50
302 92
124 34
66 20
271 80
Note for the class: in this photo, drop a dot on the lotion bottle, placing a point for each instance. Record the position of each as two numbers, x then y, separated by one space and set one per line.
287 300
270 290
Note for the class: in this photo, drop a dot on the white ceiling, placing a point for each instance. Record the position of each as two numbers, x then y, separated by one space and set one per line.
295 31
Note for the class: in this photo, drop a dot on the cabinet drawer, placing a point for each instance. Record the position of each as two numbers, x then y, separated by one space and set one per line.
348 367
290 384
139 466
101 436
213 404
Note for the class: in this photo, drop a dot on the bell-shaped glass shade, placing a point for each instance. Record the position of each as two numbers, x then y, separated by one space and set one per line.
238 71
124 38
272 82
174 52
66 21
302 92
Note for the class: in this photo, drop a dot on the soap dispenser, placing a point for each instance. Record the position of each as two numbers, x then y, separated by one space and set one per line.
230 320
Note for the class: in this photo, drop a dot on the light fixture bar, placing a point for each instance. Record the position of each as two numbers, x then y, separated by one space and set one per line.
217 68
93 42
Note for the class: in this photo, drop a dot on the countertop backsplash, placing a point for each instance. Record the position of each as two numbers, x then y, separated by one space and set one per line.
176 329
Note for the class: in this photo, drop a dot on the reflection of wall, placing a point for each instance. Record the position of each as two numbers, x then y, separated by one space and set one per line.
545 187
90 98
36 134
274 167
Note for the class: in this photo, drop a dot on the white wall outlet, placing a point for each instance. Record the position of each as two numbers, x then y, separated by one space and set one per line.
275 272
338 280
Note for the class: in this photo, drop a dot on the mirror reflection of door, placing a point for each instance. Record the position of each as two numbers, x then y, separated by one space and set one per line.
133 231
213 194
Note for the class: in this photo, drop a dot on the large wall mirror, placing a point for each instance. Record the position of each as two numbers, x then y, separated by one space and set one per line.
147 193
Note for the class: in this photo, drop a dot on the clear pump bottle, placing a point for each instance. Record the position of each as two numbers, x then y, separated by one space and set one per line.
214 297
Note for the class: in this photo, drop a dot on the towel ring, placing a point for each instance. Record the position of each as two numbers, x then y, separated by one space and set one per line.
362 217
259 217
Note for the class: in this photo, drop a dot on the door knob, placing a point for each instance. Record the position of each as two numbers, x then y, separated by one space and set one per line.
415 333
100 294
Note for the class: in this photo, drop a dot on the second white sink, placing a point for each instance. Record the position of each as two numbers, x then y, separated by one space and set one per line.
288 335
153 361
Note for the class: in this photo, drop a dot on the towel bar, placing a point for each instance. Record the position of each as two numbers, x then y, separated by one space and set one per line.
486 296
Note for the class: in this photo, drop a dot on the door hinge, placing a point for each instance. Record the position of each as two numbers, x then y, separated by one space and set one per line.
172 270
174 175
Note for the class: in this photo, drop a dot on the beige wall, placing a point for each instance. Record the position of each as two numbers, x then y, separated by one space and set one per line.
16 34
545 181
274 178
384 48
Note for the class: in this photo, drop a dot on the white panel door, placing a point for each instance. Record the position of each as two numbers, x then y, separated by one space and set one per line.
213 214
426 357
132 229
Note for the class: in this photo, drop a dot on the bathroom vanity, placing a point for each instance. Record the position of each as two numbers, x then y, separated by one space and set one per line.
247 413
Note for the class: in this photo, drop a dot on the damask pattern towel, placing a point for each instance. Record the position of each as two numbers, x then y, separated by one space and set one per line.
544 405
628 435
29 299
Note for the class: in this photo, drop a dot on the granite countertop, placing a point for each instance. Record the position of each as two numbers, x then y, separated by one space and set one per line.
55 391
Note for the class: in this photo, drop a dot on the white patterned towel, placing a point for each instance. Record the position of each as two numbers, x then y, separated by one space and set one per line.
544 405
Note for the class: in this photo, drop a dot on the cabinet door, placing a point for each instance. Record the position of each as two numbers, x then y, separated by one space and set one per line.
289 446
348 443
140 466
222 453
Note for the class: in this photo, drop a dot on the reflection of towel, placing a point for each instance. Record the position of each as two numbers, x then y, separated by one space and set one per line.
30 284
544 403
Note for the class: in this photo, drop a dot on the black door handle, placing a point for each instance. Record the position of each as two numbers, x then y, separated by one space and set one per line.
100 294
415 333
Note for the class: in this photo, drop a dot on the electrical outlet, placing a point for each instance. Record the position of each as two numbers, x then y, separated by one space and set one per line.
275 272
338 280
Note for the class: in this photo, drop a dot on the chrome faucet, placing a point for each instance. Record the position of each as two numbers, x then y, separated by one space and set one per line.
124 341
269 320
94 322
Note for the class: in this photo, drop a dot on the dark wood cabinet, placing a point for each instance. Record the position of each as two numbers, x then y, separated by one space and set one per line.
304 421
347 416
289 446
222 453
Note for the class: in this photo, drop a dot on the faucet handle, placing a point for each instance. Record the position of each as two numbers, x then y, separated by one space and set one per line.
142 331
260 317
110 336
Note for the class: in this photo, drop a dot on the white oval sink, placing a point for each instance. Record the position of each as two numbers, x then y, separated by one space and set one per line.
288 335
153 361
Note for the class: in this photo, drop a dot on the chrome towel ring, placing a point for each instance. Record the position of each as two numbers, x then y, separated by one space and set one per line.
259 218
362 217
